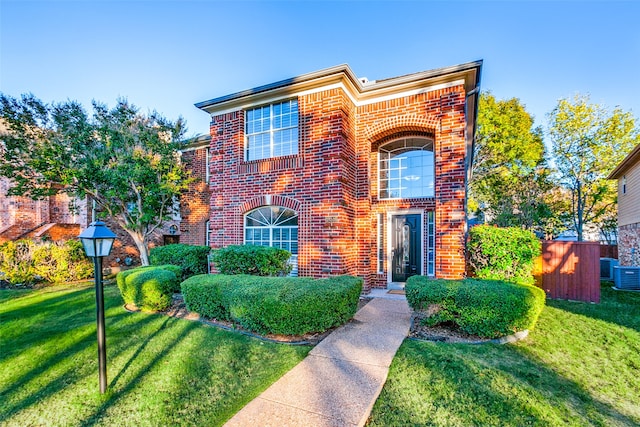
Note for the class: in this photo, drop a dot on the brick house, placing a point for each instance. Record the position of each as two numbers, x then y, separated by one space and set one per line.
628 175
359 177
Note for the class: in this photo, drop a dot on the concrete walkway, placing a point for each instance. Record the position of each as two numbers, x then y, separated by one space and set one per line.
341 378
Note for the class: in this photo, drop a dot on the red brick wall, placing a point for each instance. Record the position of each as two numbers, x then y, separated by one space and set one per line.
332 182
194 204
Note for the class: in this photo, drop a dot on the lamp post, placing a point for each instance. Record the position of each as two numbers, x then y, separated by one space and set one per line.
97 240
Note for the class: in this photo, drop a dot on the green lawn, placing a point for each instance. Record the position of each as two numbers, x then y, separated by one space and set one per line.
161 370
581 366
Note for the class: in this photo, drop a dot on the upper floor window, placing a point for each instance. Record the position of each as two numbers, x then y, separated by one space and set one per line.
406 169
623 184
272 131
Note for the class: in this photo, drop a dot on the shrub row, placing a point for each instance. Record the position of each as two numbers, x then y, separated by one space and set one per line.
487 308
192 259
275 305
252 259
503 253
151 287
27 262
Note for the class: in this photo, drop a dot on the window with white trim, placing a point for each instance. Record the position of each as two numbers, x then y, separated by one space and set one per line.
406 169
274 226
271 131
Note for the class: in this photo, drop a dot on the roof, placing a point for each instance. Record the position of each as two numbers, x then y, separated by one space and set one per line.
626 163
470 72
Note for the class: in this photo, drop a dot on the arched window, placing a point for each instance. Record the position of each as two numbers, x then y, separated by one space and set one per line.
406 168
273 226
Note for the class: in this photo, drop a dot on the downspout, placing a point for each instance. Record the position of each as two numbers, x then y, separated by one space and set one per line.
469 158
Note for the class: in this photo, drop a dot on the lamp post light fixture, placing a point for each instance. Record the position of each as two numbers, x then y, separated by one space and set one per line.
97 240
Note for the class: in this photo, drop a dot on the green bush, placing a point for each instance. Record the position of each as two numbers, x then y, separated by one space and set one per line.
149 288
276 305
253 260
192 259
27 262
503 253
487 308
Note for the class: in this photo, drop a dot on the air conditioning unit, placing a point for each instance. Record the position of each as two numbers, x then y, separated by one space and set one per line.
627 278
606 268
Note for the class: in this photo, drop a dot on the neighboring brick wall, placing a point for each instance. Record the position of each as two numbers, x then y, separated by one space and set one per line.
629 239
333 181
194 203
22 211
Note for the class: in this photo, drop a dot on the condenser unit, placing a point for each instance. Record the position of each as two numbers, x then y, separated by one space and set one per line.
606 268
626 278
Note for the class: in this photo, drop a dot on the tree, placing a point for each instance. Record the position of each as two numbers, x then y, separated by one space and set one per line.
123 160
588 142
510 174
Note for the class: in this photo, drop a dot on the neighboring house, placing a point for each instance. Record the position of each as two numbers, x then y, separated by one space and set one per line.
54 218
359 177
628 175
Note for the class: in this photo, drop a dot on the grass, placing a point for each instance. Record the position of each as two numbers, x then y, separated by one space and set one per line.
161 370
581 366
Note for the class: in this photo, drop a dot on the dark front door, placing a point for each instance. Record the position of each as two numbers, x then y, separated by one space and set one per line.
405 241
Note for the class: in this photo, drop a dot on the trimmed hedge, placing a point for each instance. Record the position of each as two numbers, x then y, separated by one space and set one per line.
192 259
274 305
151 287
253 260
503 253
487 308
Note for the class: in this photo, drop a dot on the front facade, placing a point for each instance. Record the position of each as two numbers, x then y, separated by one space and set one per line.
628 175
358 177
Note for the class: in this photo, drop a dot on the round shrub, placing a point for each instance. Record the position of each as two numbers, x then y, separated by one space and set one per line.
149 288
487 308
192 259
253 260
503 253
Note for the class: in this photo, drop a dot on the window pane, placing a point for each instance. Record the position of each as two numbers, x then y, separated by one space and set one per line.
406 168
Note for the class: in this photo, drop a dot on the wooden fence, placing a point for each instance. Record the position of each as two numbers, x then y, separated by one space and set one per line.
609 251
570 270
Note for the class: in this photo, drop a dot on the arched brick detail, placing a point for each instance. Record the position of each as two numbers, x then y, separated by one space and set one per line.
407 123
270 200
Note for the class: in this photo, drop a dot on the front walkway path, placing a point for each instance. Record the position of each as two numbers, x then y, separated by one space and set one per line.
341 378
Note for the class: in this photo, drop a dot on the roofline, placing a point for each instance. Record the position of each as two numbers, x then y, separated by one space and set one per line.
345 70
626 163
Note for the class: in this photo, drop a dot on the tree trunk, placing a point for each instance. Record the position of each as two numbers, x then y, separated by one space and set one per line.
141 245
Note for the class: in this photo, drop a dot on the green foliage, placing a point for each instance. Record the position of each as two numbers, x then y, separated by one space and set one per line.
27 262
485 308
126 161
589 141
149 288
192 259
503 253
510 176
251 259
276 305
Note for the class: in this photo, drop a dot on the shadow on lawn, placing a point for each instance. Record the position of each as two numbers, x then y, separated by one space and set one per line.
487 385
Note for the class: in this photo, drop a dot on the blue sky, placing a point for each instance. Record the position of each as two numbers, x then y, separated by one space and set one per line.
168 55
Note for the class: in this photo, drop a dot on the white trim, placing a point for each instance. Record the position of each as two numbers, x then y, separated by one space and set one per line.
390 215
341 85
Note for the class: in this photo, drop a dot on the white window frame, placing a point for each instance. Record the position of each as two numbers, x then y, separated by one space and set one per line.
294 256
383 184
271 132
